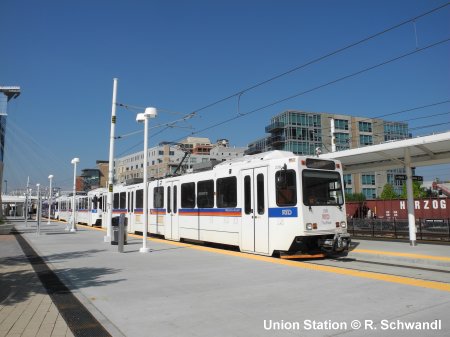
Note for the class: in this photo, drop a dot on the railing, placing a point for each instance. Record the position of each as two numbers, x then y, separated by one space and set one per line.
426 229
274 126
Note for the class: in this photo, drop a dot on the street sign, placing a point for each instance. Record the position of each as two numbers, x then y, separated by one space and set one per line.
402 177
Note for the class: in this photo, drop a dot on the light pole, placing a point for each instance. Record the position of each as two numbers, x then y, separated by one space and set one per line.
6 186
38 208
26 202
50 177
149 113
74 162
109 200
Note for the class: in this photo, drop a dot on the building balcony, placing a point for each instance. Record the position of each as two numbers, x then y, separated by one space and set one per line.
275 126
276 140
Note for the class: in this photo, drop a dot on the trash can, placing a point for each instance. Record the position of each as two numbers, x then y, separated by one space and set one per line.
115 230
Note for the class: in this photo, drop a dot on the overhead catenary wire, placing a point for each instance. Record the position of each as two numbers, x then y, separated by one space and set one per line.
321 58
242 114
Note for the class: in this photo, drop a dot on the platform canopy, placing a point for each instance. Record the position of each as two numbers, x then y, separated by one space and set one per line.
424 151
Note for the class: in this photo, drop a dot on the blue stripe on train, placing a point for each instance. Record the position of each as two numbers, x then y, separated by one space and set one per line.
283 212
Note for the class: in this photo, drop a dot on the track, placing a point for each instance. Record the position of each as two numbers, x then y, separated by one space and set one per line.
394 269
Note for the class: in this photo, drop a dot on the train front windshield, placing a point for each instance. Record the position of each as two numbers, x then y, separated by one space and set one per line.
322 188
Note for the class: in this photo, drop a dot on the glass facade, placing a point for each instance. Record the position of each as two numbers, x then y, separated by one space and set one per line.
303 132
3 105
395 131
295 131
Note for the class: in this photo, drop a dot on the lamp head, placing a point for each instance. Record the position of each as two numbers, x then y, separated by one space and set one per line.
150 112
140 117
50 176
75 160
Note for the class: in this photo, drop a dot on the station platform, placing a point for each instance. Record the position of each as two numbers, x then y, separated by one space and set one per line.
181 289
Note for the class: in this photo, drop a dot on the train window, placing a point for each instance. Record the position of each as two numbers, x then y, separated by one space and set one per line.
247 195
322 188
116 201
226 192
188 195
123 200
158 197
169 209
286 188
94 202
205 194
260 193
175 205
140 199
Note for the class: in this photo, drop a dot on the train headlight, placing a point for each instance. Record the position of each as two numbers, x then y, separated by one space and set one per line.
343 224
309 226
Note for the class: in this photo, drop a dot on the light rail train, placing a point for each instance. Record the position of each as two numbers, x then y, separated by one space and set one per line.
270 203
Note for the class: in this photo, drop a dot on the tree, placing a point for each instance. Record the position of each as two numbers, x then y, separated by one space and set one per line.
388 192
418 191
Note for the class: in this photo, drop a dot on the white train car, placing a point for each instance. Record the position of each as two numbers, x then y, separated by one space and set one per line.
88 208
270 203
97 206
63 208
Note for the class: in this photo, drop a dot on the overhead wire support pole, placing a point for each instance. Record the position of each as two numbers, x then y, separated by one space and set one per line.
109 201
410 199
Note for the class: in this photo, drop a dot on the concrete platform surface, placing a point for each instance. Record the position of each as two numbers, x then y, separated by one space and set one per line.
25 307
185 290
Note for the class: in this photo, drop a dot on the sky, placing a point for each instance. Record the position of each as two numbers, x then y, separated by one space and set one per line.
181 56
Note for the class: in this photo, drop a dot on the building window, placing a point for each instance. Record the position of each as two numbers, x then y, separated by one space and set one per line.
368 179
365 140
348 179
370 193
341 124
365 127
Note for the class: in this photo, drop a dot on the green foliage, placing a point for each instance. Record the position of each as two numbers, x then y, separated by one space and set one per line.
355 197
418 191
388 193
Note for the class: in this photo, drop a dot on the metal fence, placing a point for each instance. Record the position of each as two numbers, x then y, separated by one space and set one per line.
426 229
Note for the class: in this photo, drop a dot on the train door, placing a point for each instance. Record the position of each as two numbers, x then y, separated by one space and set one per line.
171 221
255 219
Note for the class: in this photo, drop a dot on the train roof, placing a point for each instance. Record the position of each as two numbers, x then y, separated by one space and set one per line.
270 155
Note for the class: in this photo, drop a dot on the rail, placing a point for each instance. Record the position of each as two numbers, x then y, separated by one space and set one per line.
426 229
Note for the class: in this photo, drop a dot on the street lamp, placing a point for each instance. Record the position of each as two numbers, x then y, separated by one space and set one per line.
38 212
74 162
109 199
144 117
50 177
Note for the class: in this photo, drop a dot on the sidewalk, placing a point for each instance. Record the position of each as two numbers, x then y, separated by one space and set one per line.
25 307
